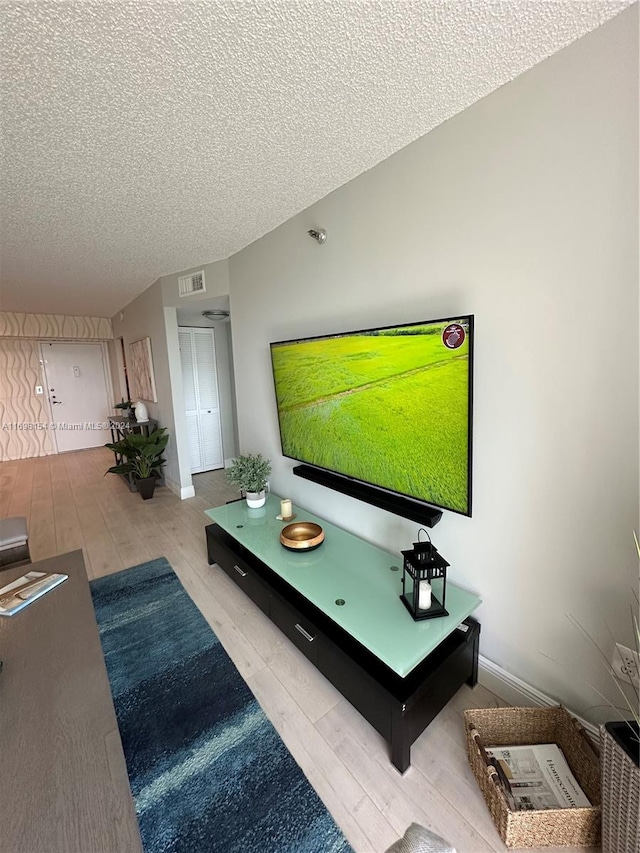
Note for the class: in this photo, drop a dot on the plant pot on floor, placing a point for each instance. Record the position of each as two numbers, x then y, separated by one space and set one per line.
255 499
140 459
619 755
146 487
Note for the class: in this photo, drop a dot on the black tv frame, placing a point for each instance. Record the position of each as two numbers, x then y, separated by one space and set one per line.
375 495
395 502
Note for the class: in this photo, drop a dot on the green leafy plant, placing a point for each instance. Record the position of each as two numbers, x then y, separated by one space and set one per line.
124 404
250 473
141 454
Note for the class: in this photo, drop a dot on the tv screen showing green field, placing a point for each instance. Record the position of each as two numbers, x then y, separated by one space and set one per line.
390 407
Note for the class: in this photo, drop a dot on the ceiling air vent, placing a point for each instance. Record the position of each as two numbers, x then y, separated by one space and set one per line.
194 283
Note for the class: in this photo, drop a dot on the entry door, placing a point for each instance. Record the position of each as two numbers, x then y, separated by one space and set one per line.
201 399
77 391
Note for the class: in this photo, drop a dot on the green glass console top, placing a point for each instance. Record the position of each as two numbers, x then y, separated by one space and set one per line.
347 569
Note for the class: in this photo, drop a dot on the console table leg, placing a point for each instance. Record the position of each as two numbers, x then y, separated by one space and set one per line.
400 741
473 678
210 540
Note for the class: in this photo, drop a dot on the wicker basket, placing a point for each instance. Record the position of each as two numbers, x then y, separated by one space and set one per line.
620 793
520 726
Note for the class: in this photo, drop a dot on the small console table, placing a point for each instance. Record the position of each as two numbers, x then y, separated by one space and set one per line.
340 605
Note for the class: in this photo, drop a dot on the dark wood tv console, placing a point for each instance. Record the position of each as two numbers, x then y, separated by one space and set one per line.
398 707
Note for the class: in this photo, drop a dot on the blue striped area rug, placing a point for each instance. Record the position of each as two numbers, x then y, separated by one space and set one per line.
208 772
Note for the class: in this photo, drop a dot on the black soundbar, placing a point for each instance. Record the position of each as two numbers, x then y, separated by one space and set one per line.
398 504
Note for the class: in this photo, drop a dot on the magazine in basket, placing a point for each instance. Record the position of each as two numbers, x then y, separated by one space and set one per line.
536 777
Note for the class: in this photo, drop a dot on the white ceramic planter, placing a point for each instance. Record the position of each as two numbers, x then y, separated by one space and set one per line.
255 499
142 413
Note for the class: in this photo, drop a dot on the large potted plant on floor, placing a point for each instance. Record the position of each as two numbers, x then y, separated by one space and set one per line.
250 474
141 457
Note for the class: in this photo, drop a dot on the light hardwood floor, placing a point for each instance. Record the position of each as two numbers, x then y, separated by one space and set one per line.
69 504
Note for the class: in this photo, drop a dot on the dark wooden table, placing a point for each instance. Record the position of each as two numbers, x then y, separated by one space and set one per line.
63 778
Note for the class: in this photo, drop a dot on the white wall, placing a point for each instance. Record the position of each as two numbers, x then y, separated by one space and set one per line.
154 314
523 209
145 317
216 277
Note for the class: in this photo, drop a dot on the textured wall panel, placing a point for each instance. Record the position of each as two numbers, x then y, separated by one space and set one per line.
21 410
17 325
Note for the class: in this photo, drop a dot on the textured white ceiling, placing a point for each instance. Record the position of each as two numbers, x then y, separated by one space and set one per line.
142 138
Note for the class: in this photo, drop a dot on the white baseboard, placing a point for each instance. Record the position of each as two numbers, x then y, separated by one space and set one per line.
518 693
183 492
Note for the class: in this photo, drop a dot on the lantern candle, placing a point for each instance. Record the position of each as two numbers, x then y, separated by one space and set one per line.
423 567
286 510
424 595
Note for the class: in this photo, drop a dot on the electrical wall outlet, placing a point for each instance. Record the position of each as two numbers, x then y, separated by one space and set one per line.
626 665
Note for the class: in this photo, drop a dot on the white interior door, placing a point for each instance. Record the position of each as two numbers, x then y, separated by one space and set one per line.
190 399
201 398
77 391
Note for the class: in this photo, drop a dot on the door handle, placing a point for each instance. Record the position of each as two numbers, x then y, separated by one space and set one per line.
57 402
239 571
304 633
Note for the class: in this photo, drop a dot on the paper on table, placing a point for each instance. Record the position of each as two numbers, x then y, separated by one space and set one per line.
26 589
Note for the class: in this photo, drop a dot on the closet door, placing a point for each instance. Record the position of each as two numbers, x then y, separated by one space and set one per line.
201 398
208 399
190 399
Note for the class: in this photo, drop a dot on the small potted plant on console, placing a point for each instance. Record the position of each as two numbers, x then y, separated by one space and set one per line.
250 474
125 407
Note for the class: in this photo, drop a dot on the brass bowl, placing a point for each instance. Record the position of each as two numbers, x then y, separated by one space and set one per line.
302 536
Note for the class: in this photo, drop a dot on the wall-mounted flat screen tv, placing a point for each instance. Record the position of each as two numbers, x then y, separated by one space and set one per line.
389 407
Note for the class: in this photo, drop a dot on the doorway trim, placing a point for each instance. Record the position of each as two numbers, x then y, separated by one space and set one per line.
121 367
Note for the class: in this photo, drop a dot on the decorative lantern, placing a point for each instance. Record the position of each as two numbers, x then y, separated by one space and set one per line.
424 580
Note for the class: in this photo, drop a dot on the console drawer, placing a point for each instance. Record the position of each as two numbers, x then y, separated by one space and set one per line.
241 573
300 630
